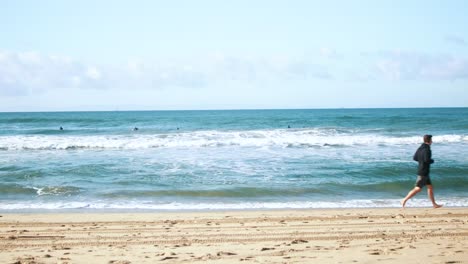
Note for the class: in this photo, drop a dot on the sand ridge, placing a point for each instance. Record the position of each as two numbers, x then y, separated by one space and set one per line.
282 236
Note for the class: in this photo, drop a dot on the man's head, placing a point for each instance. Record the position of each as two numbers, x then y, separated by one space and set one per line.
428 139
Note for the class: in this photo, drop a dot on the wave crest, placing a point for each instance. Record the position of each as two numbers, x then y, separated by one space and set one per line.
259 138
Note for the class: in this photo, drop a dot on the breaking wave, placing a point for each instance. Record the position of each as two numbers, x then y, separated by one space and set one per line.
201 139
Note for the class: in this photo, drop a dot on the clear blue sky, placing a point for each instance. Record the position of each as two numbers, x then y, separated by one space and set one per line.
108 55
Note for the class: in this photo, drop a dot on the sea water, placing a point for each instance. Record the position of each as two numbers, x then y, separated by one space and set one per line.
221 160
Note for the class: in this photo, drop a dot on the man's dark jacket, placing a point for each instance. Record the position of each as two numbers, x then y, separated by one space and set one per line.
423 156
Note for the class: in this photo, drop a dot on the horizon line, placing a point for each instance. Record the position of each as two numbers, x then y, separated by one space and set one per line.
234 109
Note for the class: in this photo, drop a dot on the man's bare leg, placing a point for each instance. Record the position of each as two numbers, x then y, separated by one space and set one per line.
410 194
430 193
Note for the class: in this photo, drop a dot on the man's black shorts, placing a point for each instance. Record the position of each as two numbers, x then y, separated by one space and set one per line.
422 181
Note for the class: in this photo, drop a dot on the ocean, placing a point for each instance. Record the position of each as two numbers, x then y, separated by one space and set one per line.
228 160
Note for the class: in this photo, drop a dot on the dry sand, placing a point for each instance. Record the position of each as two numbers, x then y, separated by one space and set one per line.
297 236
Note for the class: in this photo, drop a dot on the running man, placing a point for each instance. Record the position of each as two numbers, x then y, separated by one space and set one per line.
424 157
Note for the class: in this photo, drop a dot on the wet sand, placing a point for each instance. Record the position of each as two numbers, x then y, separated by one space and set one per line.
412 235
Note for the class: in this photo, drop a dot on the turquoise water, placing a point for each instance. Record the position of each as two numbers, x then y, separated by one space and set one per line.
245 159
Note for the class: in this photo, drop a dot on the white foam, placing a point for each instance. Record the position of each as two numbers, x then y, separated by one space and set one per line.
177 206
258 138
56 190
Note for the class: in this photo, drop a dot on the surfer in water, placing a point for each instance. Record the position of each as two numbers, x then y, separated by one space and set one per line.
424 157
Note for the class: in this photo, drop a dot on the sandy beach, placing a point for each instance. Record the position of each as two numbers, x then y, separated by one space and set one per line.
413 235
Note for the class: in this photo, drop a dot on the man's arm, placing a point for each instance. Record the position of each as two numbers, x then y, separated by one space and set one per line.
426 156
415 156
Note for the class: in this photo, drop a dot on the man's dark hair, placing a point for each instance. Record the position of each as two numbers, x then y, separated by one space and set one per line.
427 138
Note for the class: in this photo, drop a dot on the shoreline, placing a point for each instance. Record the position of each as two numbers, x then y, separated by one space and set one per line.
384 235
203 211
215 210
151 207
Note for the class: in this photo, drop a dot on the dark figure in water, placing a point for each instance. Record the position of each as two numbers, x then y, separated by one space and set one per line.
424 157
135 129
61 128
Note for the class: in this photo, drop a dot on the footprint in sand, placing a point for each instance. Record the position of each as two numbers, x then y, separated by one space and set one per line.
25 259
221 253
299 241
375 252
166 258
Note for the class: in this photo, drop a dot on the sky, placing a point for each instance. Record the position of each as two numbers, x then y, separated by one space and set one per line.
207 54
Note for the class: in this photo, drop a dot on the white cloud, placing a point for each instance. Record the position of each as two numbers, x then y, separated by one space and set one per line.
29 57
93 73
30 73
457 40
329 53
33 73
401 65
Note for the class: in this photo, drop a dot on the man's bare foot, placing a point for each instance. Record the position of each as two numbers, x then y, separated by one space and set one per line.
403 203
437 206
